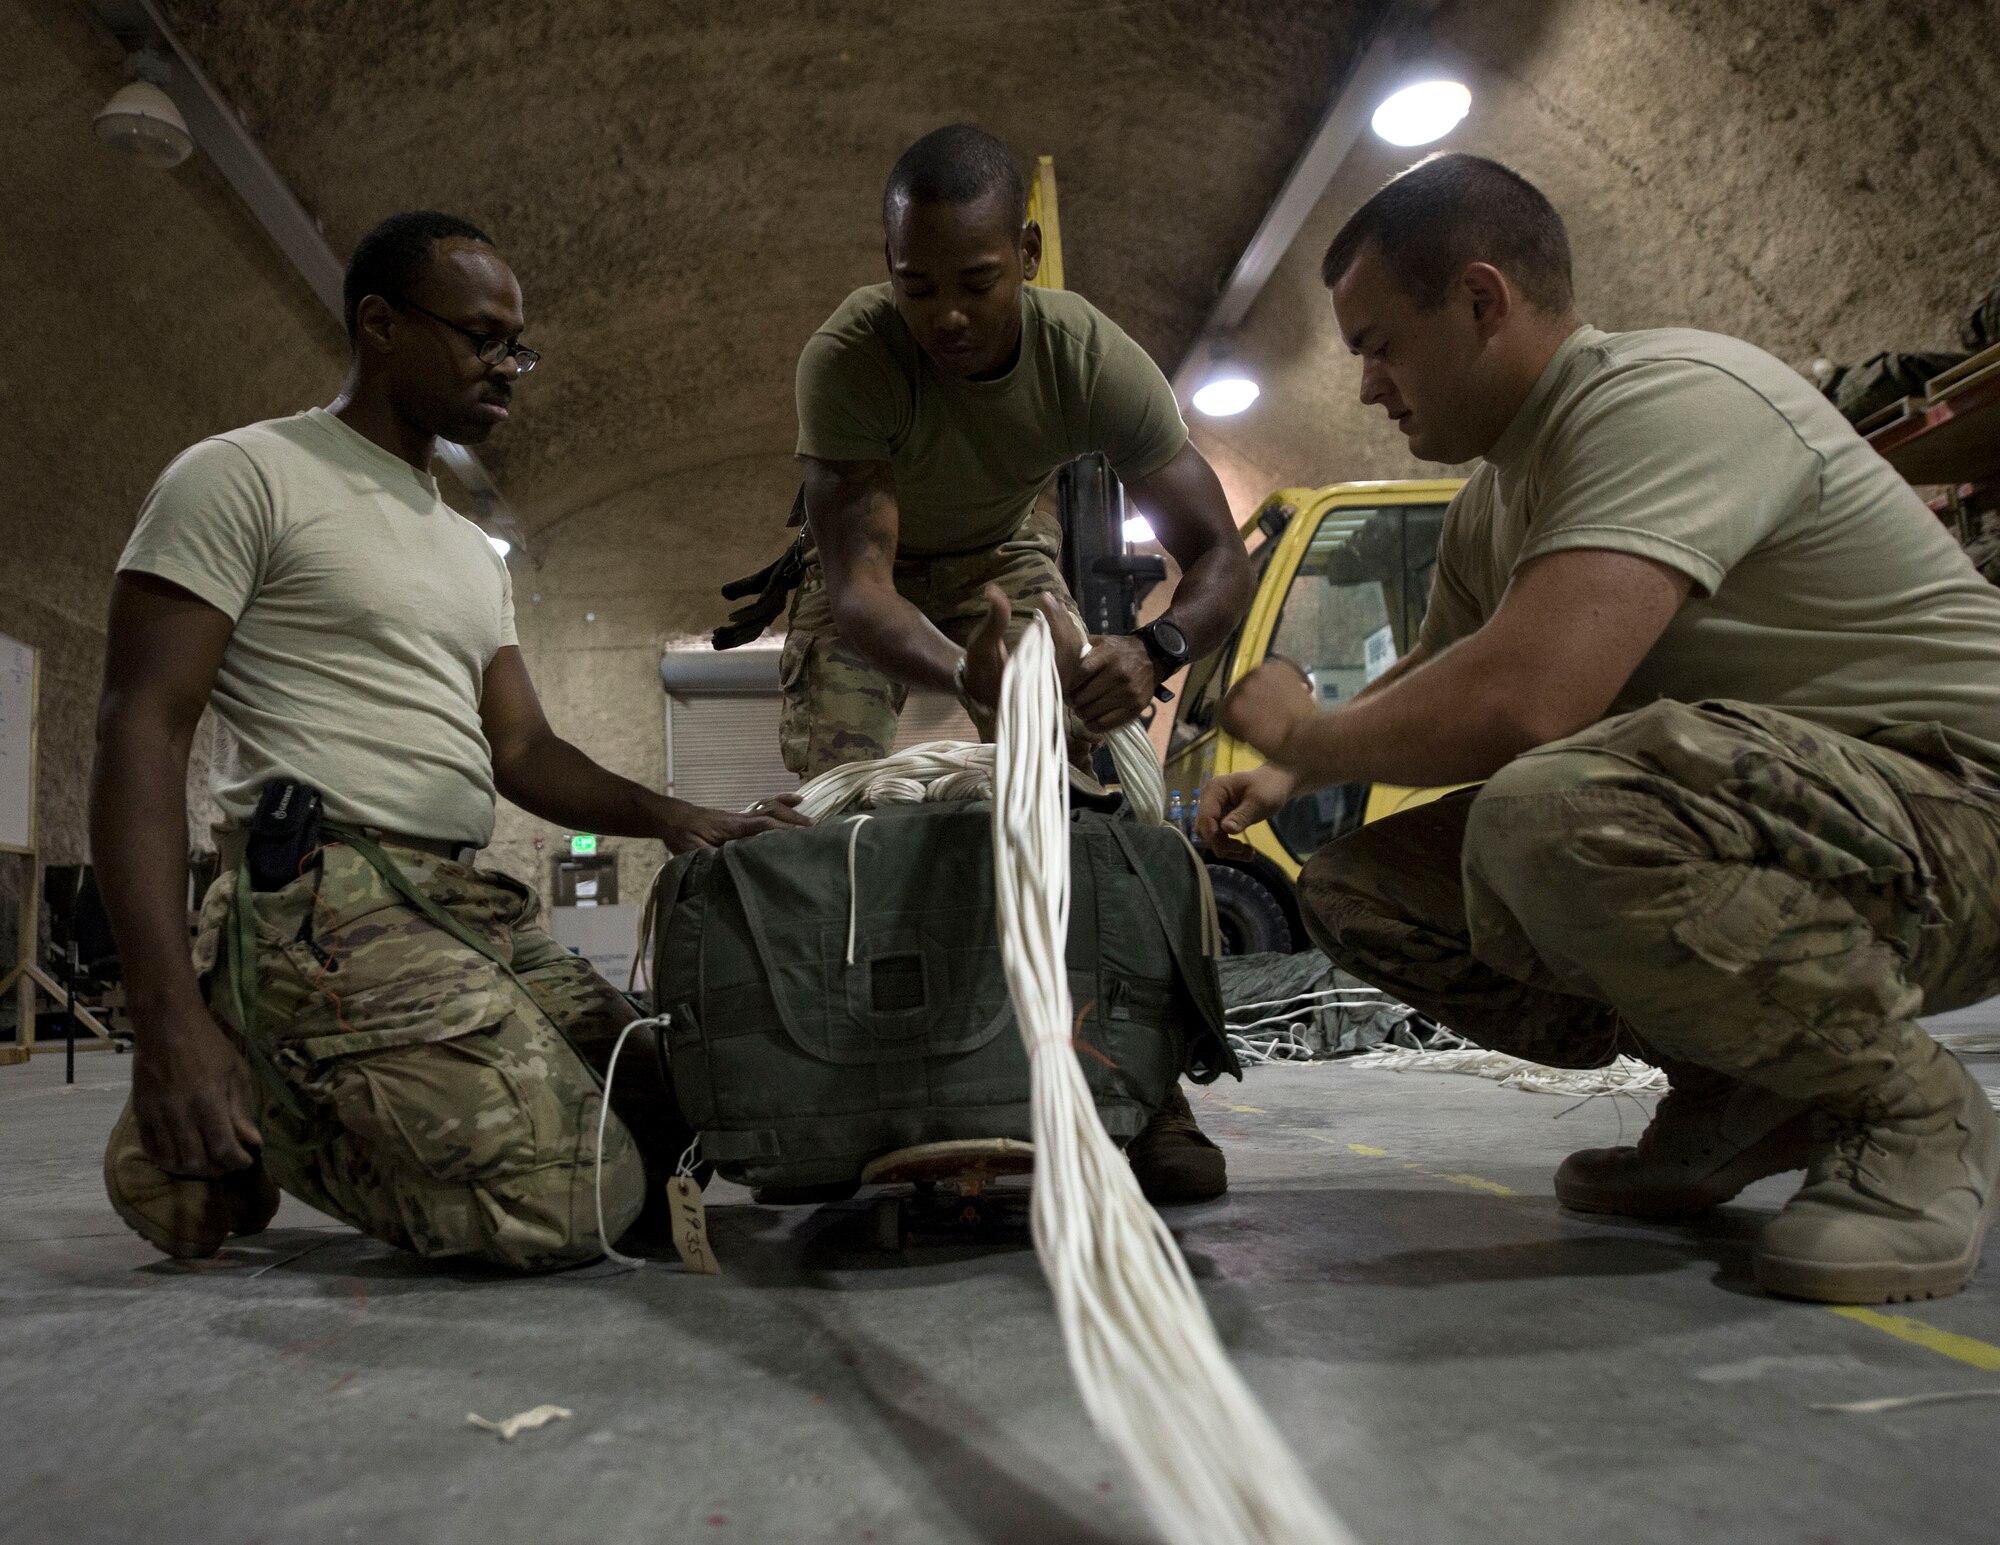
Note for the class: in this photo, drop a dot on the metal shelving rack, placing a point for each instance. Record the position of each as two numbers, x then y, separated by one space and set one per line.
1951 433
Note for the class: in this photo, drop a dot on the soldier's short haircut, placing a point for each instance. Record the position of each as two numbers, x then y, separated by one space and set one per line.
390 259
1450 210
955 165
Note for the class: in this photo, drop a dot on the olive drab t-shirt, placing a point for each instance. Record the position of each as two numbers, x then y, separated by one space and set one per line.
366 613
1823 586
968 457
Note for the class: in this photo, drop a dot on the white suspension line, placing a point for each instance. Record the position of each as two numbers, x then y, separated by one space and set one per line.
1210 1466
1361 993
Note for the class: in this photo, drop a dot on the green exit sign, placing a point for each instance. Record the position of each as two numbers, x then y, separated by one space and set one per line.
583 844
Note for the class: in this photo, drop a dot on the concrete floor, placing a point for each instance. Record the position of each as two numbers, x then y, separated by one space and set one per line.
1454 1359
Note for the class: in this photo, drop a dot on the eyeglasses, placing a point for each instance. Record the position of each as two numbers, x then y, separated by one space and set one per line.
489 349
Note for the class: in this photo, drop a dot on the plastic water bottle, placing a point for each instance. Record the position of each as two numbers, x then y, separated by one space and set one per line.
1176 811
1193 810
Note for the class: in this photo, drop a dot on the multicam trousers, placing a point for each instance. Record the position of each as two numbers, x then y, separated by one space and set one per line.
411 1087
838 708
1712 883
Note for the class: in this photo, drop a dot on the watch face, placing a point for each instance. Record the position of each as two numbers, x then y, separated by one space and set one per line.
1172 640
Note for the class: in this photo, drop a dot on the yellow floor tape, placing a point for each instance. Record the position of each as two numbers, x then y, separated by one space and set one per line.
1964 1349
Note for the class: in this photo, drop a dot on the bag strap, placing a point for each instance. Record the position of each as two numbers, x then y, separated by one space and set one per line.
1200 982
662 896
393 876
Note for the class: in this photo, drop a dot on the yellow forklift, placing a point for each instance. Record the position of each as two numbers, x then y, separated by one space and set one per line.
1343 575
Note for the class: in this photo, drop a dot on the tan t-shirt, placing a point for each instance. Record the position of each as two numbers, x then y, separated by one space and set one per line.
1823 587
366 613
969 457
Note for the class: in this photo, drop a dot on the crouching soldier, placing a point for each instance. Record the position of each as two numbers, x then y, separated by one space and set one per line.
369 1022
1734 694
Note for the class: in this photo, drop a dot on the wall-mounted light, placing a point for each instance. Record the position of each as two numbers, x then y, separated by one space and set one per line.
500 544
140 121
1225 395
1418 114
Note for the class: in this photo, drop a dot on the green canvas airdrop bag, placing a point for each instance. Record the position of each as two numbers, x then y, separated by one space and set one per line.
798 1067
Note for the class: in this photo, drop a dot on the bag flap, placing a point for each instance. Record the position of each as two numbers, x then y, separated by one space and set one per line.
925 978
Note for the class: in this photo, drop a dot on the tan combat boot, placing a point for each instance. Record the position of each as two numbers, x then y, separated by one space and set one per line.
1898 1206
1173 1159
181 1215
1710 1137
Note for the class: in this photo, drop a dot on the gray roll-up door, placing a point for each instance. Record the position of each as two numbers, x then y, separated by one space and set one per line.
722 749
722 745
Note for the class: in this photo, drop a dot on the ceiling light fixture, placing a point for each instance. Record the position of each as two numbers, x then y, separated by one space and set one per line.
1225 396
140 121
501 545
1138 529
1418 114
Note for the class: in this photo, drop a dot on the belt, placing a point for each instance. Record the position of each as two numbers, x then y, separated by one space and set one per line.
229 848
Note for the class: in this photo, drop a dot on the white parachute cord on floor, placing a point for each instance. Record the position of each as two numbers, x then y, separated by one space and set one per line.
1623 1075
1210 1466
1258 1038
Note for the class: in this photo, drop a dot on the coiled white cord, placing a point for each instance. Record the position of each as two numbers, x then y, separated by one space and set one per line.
957 769
1211 1468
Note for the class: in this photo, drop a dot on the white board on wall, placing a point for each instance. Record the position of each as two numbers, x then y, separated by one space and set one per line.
17 743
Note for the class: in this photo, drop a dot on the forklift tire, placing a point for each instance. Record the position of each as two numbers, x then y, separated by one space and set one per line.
1252 920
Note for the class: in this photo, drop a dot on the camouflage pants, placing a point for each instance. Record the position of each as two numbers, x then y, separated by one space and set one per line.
1711 883
837 708
413 1089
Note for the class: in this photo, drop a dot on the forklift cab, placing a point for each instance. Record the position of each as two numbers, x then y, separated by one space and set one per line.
1343 576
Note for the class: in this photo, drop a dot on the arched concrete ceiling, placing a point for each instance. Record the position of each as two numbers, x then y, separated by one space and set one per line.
687 190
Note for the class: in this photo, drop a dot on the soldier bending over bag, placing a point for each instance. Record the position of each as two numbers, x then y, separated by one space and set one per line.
933 409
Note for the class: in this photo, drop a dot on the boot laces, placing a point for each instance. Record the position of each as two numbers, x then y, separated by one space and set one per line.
1852 1139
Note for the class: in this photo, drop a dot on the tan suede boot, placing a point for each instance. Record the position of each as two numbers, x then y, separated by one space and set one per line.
1710 1137
1173 1159
1898 1205
180 1215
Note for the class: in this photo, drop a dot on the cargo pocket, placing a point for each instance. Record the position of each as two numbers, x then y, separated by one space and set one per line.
794 717
445 1078
1767 917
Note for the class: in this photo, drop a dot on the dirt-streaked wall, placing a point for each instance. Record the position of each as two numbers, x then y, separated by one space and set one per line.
140 310
611 587
1821 179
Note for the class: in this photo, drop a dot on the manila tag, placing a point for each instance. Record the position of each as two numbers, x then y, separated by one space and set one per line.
691 1226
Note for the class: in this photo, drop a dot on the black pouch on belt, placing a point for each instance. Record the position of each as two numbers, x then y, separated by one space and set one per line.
284 834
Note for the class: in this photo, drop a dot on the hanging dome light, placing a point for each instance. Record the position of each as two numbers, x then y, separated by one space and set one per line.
1225 395
1418 114
500 544
1138 529
141 121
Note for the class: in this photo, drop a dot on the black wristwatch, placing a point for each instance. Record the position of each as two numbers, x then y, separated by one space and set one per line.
1168 646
